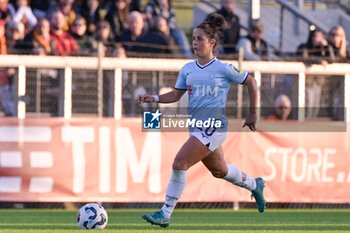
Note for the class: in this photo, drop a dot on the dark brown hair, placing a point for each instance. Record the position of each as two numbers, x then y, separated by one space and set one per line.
213 28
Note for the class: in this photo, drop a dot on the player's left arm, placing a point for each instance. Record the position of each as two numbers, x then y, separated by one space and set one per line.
250 121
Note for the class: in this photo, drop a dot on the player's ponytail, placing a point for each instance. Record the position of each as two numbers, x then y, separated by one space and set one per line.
213 28
217 21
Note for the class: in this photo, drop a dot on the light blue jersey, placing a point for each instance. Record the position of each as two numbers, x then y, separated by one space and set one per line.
207 87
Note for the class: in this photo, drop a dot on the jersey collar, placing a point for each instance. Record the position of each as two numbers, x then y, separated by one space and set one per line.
206 65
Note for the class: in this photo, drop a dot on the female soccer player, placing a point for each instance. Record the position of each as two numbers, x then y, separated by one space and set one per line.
207 80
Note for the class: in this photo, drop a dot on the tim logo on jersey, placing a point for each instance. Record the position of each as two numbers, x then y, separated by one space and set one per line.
205 90
152 119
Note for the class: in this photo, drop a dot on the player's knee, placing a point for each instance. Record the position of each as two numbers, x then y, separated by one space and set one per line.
218 173
179 165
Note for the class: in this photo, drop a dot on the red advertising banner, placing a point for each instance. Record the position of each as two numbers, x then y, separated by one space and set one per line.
107 160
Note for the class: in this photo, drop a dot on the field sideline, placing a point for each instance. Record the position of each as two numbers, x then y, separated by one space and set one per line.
184 220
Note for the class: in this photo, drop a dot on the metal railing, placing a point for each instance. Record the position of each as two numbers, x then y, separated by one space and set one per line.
117 65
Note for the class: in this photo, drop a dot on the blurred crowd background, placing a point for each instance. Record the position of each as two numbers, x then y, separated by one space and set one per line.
142 28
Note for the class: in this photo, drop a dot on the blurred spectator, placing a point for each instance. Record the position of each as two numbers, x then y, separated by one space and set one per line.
104 7
164 8
6 78
91 15
282 108
135 30
6 91
104 35
7 11
231 35
3 46
313 52
160 8
94 11
14 37
118 51
65 44
68 9
156 42
254 47
39 41
314 49
337 51
134 5
117 17
84 41
336 92
337 47
40 7
313 90
25 15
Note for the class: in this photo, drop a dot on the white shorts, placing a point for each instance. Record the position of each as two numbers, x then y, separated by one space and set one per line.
212 139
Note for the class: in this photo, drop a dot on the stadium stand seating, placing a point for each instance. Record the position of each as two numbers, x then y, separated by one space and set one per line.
270 17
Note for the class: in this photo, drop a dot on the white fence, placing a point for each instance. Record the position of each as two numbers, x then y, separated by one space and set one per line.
136 64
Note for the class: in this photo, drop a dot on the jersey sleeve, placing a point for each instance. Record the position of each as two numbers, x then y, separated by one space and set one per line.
181 80
236 75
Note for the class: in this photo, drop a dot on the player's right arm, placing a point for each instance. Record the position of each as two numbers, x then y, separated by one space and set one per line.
169 97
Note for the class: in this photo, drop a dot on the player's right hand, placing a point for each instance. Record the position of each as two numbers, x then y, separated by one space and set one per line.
145 98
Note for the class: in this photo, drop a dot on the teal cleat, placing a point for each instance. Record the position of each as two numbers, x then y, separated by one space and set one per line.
258 194
157 218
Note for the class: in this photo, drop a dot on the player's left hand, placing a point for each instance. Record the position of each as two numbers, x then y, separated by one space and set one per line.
250 122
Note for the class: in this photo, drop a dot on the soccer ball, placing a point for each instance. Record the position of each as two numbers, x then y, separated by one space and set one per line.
92 216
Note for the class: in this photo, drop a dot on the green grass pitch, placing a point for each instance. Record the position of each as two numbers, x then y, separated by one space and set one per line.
188 220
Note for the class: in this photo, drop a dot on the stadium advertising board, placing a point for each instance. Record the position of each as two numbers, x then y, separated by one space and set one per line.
102 159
